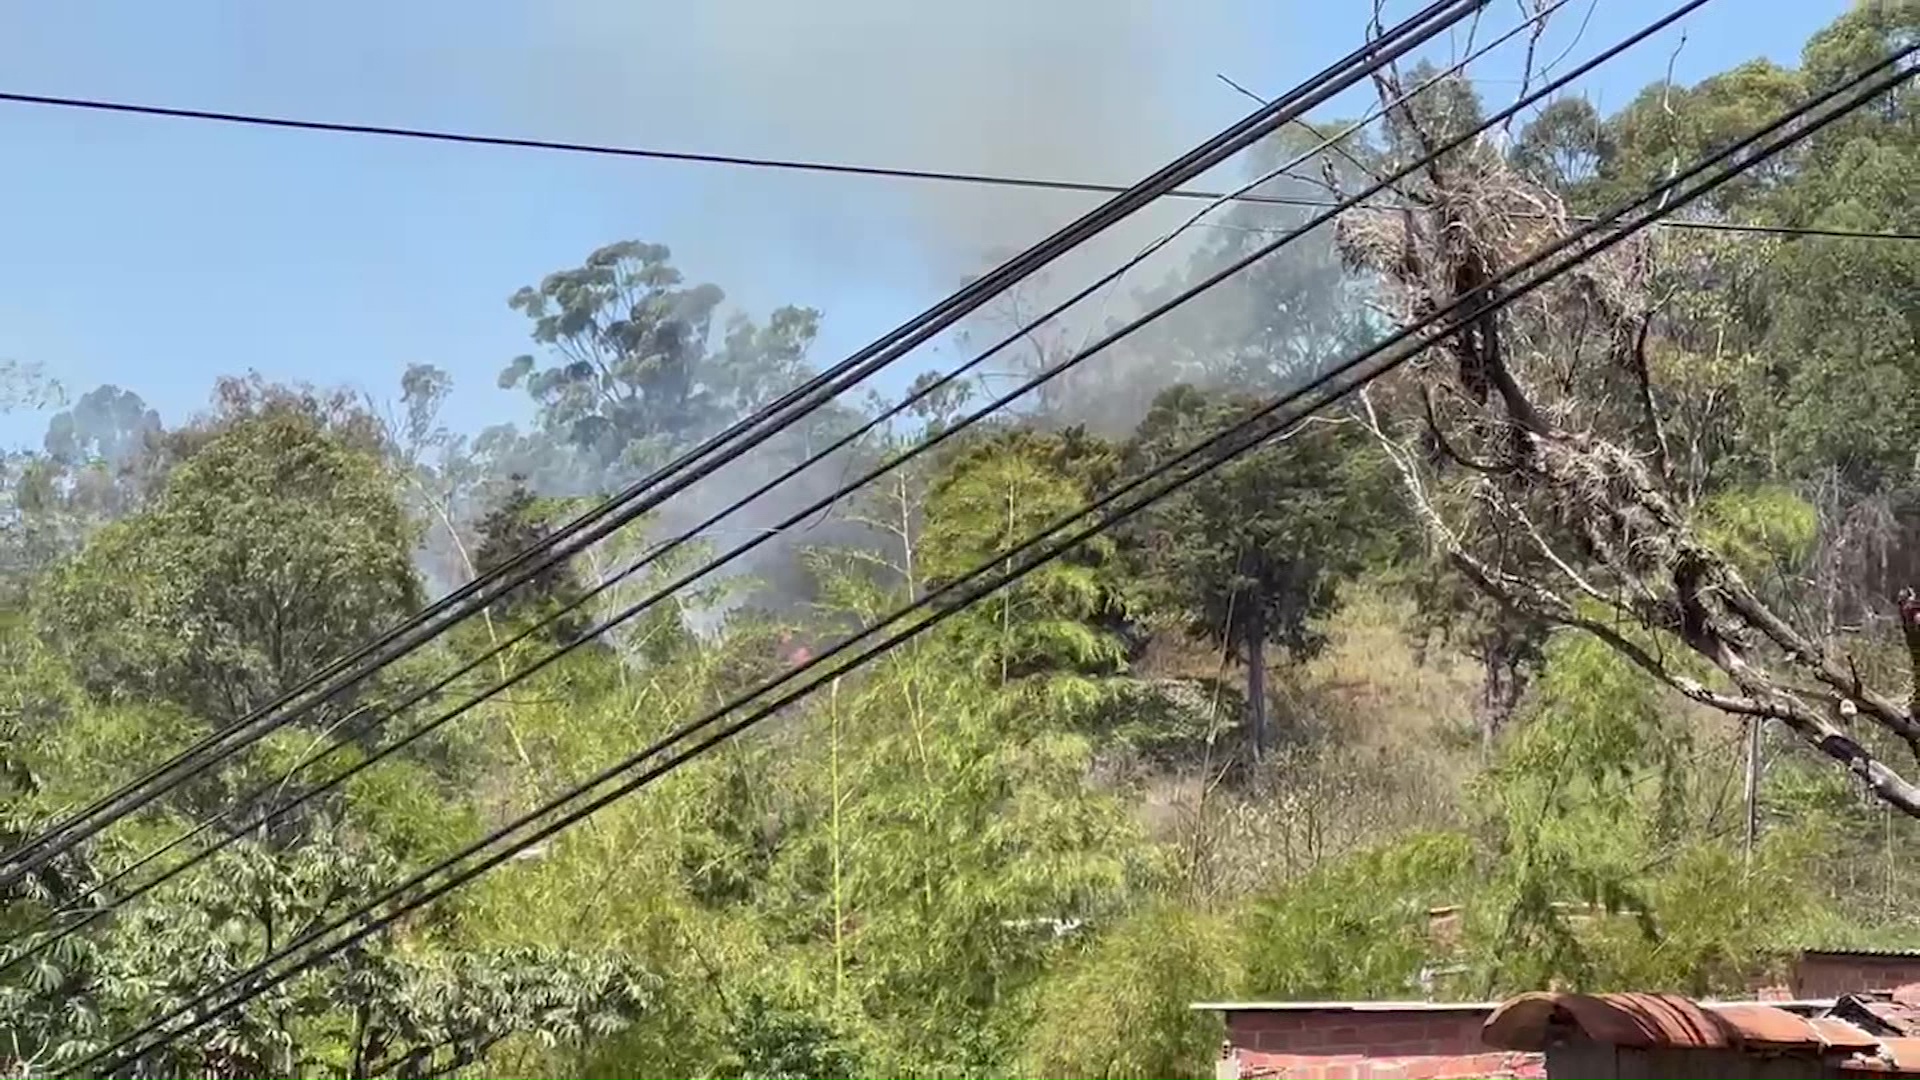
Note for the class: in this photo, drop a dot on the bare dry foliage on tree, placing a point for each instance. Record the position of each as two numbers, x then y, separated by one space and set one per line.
1549 465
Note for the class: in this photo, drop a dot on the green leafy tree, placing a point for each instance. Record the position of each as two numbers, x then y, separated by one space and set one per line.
1253 553
275 547
636 372
772 1041
1669 126
447 480
992 497
1276 322
1356 929
516 523
22 387
1840 335
1124 1008
108 425
942 838
388 1007
1574 800
101 459
1565 145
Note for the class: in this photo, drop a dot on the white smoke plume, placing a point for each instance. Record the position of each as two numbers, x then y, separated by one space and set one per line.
1099 90
1066 89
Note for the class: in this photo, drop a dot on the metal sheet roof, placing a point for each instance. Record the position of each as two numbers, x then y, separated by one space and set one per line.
1876 1031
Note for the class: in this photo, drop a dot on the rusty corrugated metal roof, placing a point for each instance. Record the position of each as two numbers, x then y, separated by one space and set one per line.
1874 1031
1895 1055
1895 1013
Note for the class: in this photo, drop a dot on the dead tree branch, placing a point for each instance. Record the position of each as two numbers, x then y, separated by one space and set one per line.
1569 479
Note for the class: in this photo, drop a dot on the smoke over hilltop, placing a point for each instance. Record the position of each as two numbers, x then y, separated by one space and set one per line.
1094 90
1098 90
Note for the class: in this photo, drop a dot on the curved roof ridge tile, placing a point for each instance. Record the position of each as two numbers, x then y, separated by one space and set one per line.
1534 1021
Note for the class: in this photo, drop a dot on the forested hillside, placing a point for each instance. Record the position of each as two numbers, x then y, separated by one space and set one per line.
1597 622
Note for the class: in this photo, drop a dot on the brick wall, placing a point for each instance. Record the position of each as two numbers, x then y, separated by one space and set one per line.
1335 1043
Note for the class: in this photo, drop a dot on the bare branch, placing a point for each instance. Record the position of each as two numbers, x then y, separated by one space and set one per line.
1446 447
1547 551
1806 724
1334 144
1804 653
1908 603
1539 15
1634 358
1635 552
1585 21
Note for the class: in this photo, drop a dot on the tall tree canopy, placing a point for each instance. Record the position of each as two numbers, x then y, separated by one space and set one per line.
634 371
274 548
1570 462
1254 553
1588 625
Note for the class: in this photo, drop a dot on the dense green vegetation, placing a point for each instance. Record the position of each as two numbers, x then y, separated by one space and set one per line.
1394 660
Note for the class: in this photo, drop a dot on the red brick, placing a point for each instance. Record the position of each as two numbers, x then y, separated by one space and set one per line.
1404 1031
1416 1048
1312 1038
1284 1041
1817 976
1456 1027
1459 1066
1530 1067
1346 1035
1264 1021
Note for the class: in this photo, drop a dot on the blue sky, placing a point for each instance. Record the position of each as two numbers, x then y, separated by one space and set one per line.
159 254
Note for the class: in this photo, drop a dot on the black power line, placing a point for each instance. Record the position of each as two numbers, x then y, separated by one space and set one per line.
832 168
703 461
1220 455
1403 38
279 808
1211 453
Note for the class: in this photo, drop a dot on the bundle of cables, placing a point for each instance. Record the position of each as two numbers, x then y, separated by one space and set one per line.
315 946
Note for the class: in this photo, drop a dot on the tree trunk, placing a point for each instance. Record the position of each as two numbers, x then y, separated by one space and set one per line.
1908 602
1256 635
1752 787
1501 686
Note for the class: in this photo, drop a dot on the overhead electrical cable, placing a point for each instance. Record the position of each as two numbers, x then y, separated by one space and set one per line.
1406 37
278 808
78 904
1218 455
1211 452
761 162
736 440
